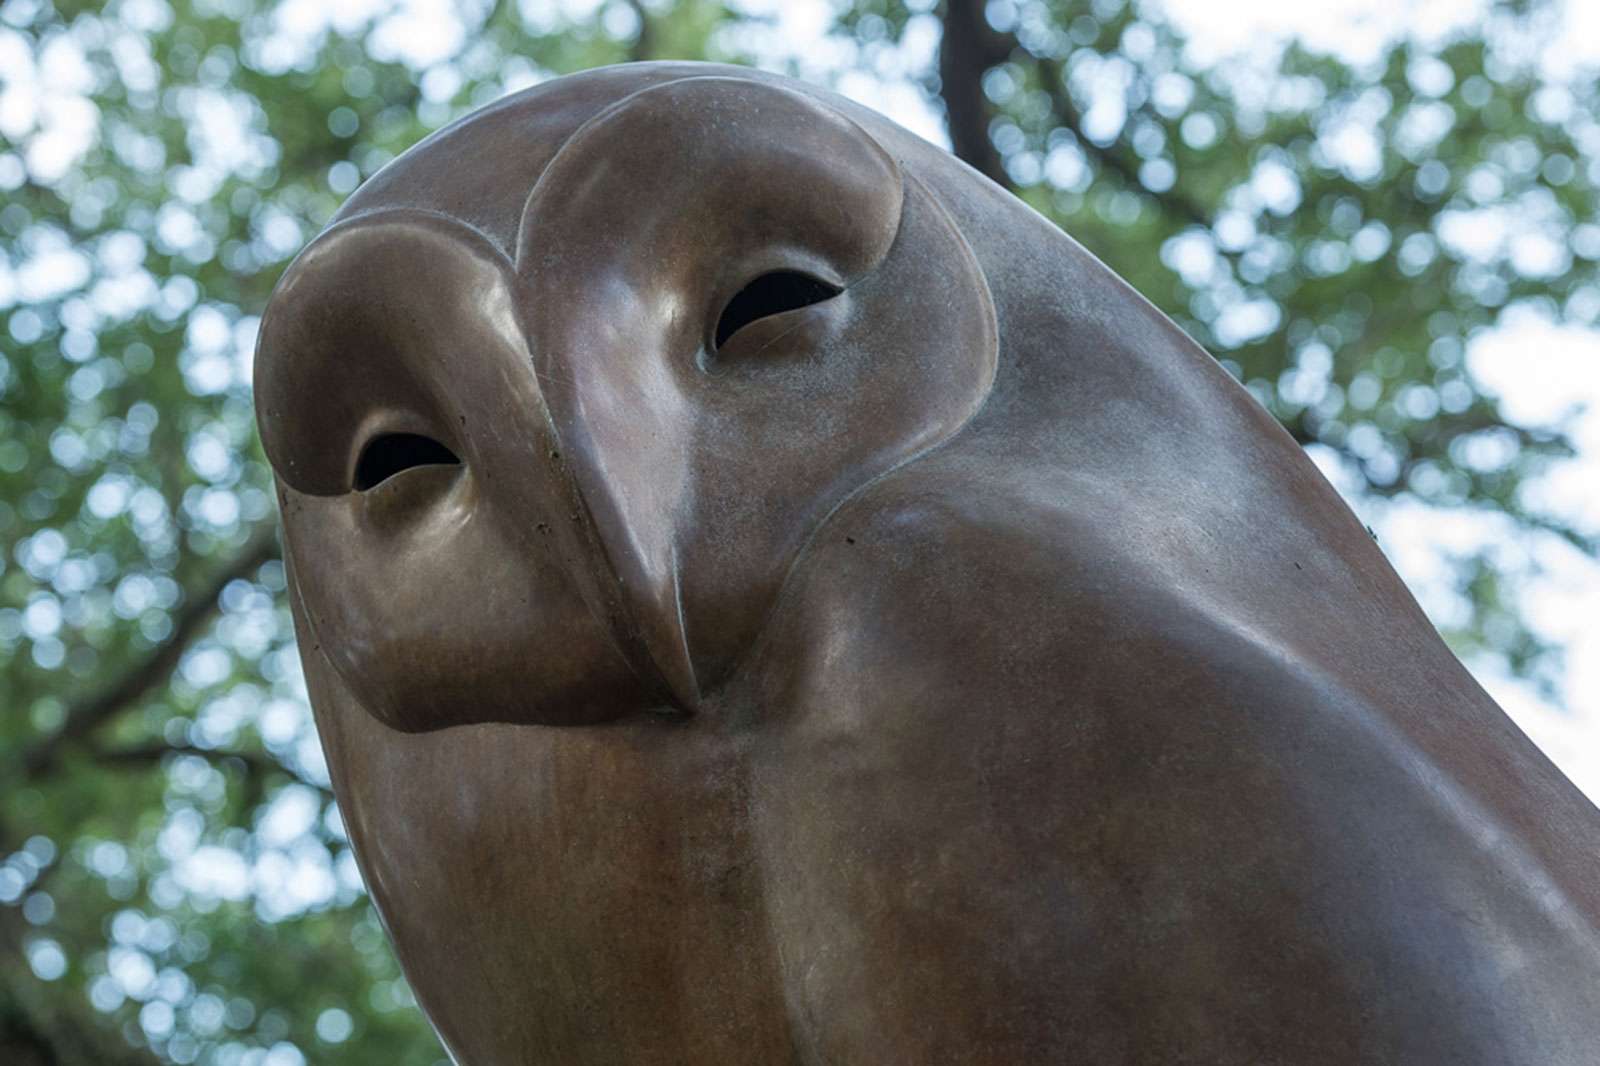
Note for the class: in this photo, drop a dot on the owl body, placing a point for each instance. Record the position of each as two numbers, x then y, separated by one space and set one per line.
857 628
1187 841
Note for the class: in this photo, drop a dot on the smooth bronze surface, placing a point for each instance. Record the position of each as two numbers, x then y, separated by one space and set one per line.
770 597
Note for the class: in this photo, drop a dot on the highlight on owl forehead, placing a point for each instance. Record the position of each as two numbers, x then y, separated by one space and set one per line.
716 158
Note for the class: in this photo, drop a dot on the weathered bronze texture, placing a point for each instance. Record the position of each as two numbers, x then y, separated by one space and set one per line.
770 597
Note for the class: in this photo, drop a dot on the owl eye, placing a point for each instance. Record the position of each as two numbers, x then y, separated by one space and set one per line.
771 294
391 453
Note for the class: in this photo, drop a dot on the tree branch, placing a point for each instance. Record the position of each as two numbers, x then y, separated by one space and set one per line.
255 763
1114 157
968 48
157 665
644 45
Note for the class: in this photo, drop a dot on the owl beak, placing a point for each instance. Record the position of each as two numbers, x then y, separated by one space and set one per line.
619 422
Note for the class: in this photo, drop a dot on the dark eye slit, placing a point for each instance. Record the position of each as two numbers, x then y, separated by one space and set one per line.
388 455
771 294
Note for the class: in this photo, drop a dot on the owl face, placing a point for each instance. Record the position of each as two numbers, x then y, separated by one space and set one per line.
562 480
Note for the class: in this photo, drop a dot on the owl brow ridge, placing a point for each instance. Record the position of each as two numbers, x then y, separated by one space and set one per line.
519 252
386 212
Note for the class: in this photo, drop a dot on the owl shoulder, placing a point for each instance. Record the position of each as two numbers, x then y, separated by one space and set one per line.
941 577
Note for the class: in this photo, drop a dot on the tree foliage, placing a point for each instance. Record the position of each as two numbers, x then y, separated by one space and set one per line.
176 884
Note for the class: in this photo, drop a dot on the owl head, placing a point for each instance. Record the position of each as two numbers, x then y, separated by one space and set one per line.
558 398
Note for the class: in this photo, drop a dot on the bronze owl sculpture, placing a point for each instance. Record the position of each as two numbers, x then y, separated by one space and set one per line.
770 597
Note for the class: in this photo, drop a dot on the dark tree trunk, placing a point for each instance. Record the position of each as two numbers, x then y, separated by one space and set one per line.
967 49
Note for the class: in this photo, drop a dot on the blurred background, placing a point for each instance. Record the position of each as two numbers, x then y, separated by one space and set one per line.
1380 216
